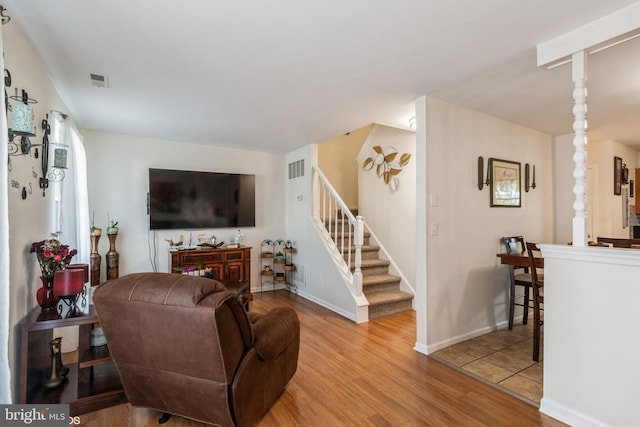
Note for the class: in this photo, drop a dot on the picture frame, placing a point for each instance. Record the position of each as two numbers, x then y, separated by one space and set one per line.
617 176
505 183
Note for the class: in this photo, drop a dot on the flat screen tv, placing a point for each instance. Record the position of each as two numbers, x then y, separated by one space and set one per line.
181 199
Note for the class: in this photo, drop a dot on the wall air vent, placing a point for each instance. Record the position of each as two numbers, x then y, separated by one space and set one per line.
296 169
99 80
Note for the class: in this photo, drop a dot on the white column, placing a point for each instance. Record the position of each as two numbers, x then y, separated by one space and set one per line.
579 76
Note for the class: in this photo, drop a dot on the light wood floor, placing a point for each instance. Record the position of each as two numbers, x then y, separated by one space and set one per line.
363 375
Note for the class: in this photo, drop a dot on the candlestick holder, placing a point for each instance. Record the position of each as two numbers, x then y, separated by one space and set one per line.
487 181
55 376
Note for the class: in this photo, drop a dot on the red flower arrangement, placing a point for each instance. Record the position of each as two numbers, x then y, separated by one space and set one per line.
52 255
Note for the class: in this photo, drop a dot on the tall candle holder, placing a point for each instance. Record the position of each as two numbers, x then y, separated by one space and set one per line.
55 377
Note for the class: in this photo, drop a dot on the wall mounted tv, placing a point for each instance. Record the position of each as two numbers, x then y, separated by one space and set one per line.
187 199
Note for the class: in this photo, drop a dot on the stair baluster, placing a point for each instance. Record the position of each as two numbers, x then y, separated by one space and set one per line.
340 226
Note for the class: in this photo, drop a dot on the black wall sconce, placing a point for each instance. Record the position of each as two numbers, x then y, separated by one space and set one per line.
482 181
59 160
529 179
625 174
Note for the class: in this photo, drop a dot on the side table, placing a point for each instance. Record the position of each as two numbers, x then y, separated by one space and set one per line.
92 383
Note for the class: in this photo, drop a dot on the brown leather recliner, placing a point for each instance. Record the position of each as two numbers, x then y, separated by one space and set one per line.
184 345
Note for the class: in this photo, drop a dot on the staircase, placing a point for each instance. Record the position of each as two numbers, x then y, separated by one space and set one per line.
381 288
366 273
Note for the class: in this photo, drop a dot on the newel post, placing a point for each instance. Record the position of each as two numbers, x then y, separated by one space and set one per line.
358 240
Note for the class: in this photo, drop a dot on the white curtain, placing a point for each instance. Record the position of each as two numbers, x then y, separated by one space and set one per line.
70 205
5 372
70 196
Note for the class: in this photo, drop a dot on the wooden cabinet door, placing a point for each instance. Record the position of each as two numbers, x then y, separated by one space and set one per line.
217 271
234 271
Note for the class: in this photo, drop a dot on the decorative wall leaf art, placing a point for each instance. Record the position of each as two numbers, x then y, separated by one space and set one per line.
387 164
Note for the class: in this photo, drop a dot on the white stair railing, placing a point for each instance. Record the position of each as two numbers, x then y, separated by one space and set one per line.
341 229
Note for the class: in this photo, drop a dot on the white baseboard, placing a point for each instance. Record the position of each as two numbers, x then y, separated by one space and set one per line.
432 348
567 415
326 305
427 349
311 298
421 348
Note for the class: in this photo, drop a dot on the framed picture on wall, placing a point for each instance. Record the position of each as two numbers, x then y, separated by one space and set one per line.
505 183
617 176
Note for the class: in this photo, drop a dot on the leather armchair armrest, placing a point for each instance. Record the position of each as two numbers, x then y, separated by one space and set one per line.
274 331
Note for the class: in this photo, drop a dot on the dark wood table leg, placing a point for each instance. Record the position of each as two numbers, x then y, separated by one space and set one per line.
512 295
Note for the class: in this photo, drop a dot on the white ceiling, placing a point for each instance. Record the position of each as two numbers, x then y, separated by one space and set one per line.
280 74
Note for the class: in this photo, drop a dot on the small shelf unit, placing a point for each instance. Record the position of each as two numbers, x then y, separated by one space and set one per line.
277 263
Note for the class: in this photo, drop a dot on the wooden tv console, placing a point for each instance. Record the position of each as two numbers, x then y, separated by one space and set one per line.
226 264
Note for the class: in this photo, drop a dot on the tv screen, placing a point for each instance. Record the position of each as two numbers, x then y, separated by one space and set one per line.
188 199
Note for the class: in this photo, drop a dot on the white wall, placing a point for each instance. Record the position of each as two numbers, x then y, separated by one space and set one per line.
607 207
564 182
316 277
118 184
591 350
391 215
29 219
466 288
337 160
608 219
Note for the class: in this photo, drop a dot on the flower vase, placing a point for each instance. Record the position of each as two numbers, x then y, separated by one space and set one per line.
94 260
45 296
113 258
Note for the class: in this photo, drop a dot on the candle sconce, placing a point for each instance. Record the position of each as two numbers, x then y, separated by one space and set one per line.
22 124
59 161
529 180
481 180
533 180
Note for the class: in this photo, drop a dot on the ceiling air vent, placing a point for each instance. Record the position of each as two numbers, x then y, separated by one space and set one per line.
99 80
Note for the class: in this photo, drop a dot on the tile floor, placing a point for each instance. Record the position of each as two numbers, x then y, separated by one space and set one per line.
502 358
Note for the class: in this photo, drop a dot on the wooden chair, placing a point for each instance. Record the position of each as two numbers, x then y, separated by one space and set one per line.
519 277
537 280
